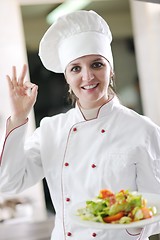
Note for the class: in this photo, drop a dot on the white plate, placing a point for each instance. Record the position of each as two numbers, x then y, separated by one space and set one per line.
152 200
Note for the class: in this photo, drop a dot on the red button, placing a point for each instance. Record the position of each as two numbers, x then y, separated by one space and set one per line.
94 234
102 131
93 165
75 129
68 199
69 234
66 164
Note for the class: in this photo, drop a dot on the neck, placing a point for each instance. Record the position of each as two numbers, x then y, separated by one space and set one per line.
94 105
89 113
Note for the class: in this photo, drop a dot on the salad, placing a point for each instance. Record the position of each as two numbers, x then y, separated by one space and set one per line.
122 207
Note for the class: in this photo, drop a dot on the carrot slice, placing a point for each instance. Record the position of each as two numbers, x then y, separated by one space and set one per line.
113 218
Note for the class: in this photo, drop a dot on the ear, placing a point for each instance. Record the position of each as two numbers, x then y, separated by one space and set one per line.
111 73
67 81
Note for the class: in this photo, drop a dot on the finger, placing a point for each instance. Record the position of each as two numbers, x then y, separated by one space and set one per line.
10 84
29 85
14 75
29 88
23 74
34 93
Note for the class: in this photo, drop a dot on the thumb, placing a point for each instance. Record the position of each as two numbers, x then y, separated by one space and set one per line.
34 93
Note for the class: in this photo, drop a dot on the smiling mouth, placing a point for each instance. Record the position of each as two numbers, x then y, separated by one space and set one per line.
92 86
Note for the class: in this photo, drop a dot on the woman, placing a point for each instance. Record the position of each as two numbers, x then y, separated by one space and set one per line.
97 144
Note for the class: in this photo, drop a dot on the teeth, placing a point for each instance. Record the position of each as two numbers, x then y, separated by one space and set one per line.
90 86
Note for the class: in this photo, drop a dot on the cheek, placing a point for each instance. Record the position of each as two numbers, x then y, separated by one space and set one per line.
70 79
106 78
73 83
68 76
108 75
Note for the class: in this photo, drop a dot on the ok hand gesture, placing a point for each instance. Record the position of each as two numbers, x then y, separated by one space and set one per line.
23 95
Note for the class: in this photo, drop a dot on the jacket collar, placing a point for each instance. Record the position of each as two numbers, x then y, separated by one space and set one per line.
104 110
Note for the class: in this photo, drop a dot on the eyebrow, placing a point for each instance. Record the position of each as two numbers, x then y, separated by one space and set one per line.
95 60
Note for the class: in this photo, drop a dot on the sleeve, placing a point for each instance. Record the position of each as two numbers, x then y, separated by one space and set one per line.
20 161
148 175
148 163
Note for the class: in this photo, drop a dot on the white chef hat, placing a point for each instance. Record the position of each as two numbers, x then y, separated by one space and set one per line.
75 35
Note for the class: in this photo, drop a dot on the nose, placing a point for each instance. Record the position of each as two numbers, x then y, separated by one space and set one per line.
87 74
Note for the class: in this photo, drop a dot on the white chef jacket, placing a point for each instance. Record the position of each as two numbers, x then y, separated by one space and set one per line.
119 149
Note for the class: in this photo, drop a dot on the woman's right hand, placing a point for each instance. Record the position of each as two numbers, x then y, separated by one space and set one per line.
23 95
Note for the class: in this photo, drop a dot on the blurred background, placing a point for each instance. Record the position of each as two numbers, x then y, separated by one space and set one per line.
136 36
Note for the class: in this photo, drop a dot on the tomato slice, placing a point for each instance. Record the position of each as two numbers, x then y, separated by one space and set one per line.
105 193
113 218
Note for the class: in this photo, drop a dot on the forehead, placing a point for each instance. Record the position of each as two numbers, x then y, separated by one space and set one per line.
86 58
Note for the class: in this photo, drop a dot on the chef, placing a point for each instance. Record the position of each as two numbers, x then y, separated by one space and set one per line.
97 144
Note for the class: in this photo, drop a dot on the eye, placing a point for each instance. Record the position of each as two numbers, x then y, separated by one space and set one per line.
75 69
97 65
